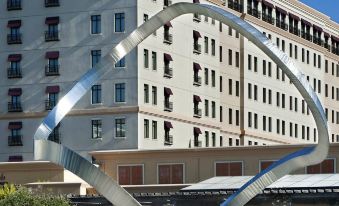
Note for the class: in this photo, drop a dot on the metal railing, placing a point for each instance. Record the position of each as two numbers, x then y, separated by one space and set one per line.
13 5
196 48
168 139
235 6
14 73
168 38
52 3
49 105
15 140
254 12
51 36
168 72
168 106
14 107
267 18
14 39
197 81
197 112
197 18
52 70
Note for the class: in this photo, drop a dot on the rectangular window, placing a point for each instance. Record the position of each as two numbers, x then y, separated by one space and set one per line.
120 92
146 61
264 123
220 114
295 51
230 118
255 92
264 67
249 62
249 91
319 61
303 55
154 129
121 63
131 175
278 126
314 59
96 129
146 93
237 88
237 118
154 95
96 94
213 47
206 108
207 139
154 60
146 128
326 167
255 121
264 95
206 76
237 59
120 128
220 54
213 78
255 64
269 96
230 57
95 56
270 124
171 174
308 57
206 44
230 86
228 169
95 24
283 101
213 109
213 139
249 117
119 22
220 84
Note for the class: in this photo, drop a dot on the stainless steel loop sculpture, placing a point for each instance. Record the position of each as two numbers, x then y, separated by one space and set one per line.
61 155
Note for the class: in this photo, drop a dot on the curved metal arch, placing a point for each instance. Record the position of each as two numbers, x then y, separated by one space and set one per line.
59 154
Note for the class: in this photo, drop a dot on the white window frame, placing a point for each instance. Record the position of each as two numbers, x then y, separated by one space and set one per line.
114 95
114 130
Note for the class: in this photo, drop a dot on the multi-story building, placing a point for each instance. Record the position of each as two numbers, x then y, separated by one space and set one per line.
193 83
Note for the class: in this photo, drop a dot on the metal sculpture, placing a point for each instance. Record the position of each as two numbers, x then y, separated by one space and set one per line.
61 155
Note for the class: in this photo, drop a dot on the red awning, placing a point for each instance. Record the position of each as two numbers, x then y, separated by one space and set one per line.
14 57
15 125
197 130
335 38
327 35
168 24
168 125
196 66
317 28
14 23
168 91
16 158
268 4
52 20
196 34
196 1
294 16
196 98
52 89
306 22
52 55
15 92
281 10
168 57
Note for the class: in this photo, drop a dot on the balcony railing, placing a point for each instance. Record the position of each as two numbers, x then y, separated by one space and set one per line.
235 6
306 36
14 39
167 3
253 12
168 139
14 107
327 46
52 3
55 137
318 40
168 106
49 105
13 73
52 70
197 81
13 5
335 50
196 48
197 18
197 143
268 18
15 140
51 36
294 30
168 72
282 25
168 38
197 112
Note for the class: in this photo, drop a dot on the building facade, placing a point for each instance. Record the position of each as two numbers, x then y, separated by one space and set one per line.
193 83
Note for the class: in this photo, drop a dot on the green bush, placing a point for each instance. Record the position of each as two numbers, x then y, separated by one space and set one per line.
23 197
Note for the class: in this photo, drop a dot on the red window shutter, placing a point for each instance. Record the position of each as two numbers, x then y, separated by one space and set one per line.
137 175
124 175
327 166
222 169
177 174
164 174
314 169
265 164
235 169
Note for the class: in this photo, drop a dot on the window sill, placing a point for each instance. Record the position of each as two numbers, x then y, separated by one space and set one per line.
120 138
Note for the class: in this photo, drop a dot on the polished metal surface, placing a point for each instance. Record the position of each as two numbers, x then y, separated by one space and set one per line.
59 154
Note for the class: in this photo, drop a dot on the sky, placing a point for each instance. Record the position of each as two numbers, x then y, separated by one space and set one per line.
328 7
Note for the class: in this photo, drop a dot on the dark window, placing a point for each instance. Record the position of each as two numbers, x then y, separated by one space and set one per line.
96 24
96 94
121 63
96 56
119 22
228 169
120 127
96 129
130 175
326 167
146 128
171 174
120 92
